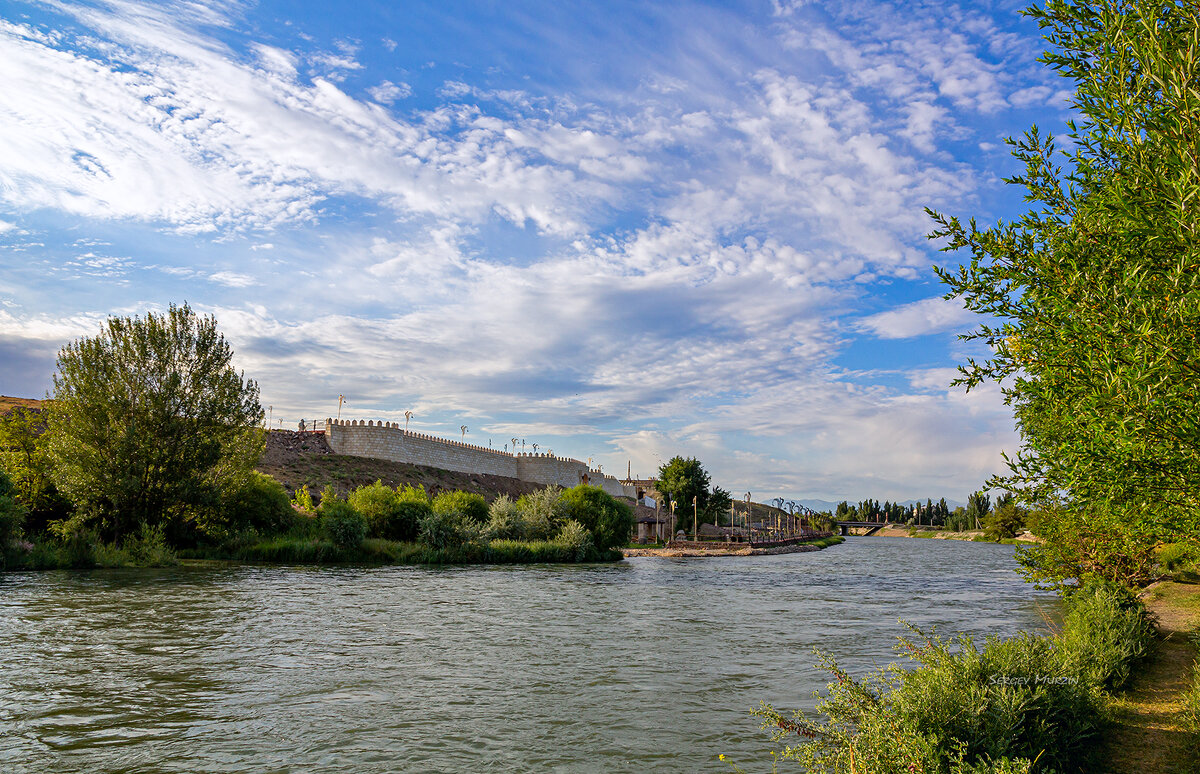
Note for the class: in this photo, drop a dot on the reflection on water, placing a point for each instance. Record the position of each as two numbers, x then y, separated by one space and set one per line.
646 665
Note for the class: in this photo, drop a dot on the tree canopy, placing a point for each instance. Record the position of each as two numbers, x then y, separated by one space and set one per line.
150 423
1093 294
682 480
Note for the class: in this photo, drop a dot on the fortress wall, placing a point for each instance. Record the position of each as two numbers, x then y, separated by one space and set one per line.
389 441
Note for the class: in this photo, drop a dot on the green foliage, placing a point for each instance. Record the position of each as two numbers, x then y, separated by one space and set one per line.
577 540
149 422
684 480
979 505
390 514
447 529
965 709
469 504
504 520
609 520
341 524
12 513
716 511
543 513
256 501
1005 521
24 455
1105 632
1081 542
328 498
1096 290
1177 556
302 499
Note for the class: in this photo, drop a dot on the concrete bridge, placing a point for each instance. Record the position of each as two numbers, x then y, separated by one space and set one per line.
871 527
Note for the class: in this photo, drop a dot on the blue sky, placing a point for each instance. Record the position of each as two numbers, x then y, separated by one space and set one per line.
623 231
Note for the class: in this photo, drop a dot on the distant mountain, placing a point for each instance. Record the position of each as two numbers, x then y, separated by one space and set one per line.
825 505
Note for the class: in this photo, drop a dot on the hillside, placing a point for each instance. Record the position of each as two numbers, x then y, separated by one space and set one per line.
296 459
8 403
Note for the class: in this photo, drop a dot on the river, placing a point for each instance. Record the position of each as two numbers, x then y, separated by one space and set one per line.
647 665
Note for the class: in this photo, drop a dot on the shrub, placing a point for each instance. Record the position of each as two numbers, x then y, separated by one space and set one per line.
447 529
303 500
328 495
12 513
1106 630
258 502
577 541
504 520
469 504
149 548
965 709
543 513
1175 556
341 524
389 514
609 520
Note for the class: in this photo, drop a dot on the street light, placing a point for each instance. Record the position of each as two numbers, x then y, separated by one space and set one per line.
341 400
407 416
464 431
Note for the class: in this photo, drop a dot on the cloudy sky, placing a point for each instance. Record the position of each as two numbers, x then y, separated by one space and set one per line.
620 230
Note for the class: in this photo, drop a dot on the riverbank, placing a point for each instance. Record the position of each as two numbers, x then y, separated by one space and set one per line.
814 545
1151 732
971 535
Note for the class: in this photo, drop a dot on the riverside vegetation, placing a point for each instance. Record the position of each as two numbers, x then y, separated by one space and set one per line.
1092 305
146 454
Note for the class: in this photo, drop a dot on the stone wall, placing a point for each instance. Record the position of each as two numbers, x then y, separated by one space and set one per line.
389 441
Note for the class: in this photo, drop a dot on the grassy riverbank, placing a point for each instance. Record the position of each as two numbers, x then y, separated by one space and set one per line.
971 535
662 550
1115 689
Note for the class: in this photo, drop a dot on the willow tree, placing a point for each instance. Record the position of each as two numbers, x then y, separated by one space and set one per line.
150 422
1093 294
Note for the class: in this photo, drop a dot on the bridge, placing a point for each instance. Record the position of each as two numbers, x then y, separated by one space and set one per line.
871 527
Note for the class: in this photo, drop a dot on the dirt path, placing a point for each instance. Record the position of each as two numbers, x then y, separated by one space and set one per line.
1149 735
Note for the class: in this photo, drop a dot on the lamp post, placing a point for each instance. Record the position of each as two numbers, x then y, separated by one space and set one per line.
341 400
749 532
464 431
407 416
270 411
695 517
514 443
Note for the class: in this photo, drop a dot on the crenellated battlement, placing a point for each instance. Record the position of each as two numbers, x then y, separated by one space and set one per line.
390 441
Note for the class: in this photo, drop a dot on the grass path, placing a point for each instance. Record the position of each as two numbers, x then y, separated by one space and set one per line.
1149 734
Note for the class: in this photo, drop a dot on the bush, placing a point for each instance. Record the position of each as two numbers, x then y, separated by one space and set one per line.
341 524
149 548
12 513
543 513
258 502
1176 556
469 504
577 541
303 500
609 520
1106 630
390 515
447 529
504 520
965 709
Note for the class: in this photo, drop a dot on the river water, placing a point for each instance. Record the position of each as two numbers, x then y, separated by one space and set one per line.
647 665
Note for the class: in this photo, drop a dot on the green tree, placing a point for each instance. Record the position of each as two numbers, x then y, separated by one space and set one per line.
467 503
150 423
717 511
684 480
979 505
608 519
24 455
1095 291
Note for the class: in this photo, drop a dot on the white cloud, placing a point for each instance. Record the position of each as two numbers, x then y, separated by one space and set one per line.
388 92
930 315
